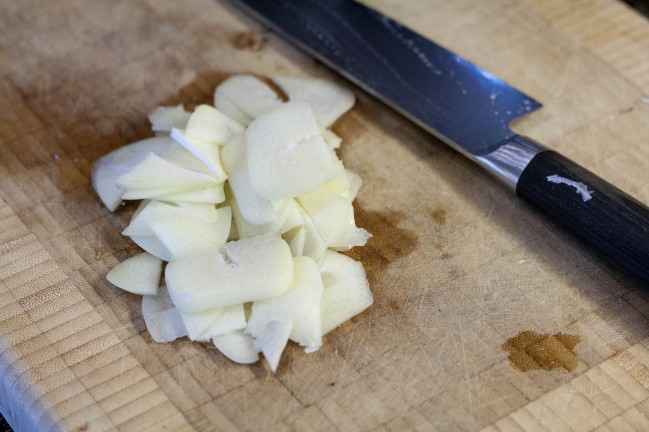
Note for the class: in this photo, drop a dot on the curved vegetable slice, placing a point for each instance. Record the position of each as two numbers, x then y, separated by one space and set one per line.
286 153
206 195
181 234
333 217
328 100
115 164
141 222
163 119
346 291
180 156
244 98
155 173
208 324
237 346
250 269
153 246
139 274
161 317
209 124
207 152
275 320
332 140
255 209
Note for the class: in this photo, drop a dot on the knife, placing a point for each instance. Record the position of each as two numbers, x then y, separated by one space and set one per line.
469 109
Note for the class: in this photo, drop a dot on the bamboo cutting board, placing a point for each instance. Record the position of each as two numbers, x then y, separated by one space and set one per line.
457 265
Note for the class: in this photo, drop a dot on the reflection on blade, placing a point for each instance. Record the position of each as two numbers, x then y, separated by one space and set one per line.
462 104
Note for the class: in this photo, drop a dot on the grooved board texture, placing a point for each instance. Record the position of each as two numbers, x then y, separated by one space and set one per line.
458 265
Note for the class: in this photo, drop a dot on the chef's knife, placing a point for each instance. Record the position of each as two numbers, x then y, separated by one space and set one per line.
468 108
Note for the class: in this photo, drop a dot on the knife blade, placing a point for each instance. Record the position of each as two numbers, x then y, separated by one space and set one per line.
468 108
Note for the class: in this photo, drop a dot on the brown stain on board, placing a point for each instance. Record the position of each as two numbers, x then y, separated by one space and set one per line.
248 40
388 243
531 350
438 215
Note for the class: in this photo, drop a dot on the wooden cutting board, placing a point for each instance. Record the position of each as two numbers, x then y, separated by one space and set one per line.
458 265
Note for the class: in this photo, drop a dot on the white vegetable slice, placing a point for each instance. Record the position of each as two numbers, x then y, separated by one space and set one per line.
296 239
205 151
109 168
162 319
250 269
355 184
180 156
346 291
208 324
237 346
141 222
328 100
230 109
209 124
286 216
182 235
246 95
150 194
139 274
333 217
273 341
163 119
254 208
286 153
207 195
332 140
314 246
156 173
153 246
274 320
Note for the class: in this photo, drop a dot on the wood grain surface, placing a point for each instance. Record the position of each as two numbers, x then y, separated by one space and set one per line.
458 265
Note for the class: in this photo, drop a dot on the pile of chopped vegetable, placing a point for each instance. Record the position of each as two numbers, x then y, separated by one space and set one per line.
249 206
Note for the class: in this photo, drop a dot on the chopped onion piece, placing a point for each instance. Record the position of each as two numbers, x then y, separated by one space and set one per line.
237 346
207 195
332 140
156 173
209 124
180 156
182 235
139 274
109 168
333 217
141 222
163 119
250 269
208 324
255 209
246 95
153 246
272 341
274 320
205 151
328 100
296 239
286 153
161 317
346 291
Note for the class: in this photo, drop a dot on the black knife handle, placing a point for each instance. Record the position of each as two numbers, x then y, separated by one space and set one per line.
606 217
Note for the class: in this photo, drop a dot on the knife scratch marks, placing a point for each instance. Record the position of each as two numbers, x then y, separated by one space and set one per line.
581 188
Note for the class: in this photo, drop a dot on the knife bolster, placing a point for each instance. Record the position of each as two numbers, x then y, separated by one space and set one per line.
510 159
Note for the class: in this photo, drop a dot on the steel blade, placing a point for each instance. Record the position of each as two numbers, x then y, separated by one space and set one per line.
462 104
